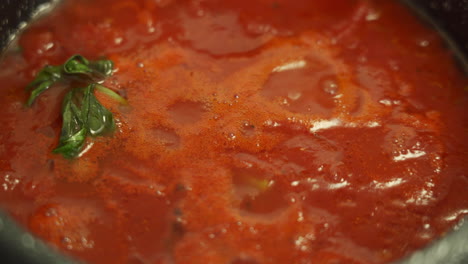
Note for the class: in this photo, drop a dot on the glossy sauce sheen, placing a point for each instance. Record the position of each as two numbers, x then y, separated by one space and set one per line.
257 132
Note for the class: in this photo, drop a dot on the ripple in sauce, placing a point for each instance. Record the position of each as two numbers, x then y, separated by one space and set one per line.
257 132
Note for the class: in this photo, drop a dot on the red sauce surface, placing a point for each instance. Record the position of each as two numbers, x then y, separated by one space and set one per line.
257 132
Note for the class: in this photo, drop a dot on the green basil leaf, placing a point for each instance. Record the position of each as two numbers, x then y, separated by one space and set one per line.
82 115
36 92
43 81
104 67
71 147
99 120
46 74
77 64
74 132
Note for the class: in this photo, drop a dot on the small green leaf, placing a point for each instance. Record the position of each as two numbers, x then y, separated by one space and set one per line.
71 147
82 115
77 64
99 120
43 81
47 73
73 133
105 67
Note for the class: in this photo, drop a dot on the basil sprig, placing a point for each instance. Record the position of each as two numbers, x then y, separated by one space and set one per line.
82 114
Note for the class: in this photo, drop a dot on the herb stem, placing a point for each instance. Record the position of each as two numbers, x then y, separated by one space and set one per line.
111 94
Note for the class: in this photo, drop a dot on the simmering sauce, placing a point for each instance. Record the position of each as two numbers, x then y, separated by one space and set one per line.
260 131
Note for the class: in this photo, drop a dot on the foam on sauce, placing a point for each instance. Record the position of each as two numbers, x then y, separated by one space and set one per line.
256 132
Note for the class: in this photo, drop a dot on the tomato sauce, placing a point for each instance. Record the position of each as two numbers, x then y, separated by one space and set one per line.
261 131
